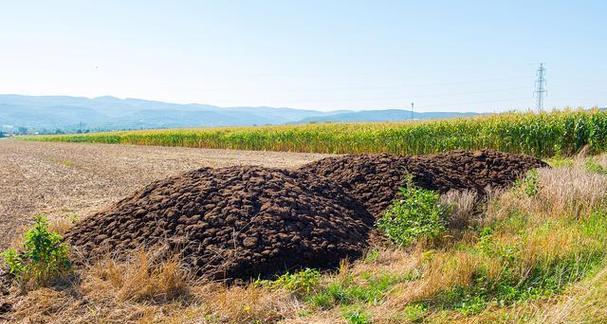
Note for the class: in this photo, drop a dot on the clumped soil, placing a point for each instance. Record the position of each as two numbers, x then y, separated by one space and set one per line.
242 222
234 222
374 179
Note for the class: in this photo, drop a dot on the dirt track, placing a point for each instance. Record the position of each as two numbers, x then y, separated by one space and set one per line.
61 180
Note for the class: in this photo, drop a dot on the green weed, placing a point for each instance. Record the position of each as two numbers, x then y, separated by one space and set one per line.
303 282
356 315
415 312
42 258
347 292
417 215
530 184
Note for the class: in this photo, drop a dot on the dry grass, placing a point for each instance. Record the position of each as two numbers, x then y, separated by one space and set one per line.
139 291
584 303
570 192
463 205
140 280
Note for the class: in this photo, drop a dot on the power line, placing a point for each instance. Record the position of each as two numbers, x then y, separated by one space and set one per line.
437 95
540 87
474 102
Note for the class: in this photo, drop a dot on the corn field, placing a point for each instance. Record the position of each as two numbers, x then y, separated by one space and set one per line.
543 135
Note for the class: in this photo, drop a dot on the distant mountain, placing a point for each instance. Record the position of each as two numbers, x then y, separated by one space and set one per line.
49 113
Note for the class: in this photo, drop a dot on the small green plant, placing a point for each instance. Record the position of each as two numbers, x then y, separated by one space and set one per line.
42 258
417 215
530 184
303 282
415 312
348 292
371 256
356 315
560 162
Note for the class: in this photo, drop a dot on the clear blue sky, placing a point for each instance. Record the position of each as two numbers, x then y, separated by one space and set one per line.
444 55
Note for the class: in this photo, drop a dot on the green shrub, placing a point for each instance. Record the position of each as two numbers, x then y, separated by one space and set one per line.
42 258
417 215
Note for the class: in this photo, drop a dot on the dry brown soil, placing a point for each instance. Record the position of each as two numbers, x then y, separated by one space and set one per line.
65 180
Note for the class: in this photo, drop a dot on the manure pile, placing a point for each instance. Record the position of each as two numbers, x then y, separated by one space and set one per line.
242 222
374 179
234 222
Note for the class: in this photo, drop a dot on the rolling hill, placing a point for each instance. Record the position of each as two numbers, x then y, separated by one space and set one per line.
49 113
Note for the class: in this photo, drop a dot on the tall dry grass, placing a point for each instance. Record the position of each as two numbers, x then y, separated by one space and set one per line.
462 207
141 291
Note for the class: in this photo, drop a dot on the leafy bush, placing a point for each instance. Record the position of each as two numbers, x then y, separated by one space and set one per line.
42 258
417 215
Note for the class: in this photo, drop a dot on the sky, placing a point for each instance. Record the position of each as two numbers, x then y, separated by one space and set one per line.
477 56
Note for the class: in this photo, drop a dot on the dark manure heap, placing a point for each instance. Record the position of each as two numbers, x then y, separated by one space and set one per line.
374 179
465 170
233 223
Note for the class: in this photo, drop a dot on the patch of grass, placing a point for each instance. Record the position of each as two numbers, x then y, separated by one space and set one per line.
415 312
140 279
371 256
347 291
593 166
560 162
417 215
356 315
68 163
532 264
42 258
302 283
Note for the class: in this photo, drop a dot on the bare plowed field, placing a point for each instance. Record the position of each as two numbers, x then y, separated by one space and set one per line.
76 180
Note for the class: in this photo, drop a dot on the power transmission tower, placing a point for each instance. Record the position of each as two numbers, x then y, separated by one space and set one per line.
540 87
